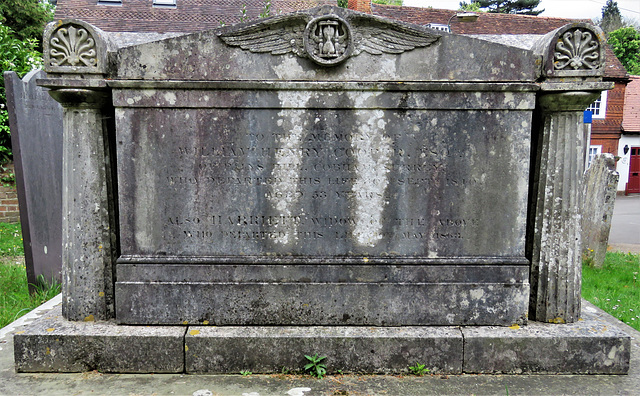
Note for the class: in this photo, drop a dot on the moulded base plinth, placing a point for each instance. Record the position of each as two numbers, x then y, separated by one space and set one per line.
53 344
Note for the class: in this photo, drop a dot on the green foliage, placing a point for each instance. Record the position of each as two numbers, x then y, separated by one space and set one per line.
26 18
625 43
246 373
343 3
615 287
21 57
611 17
389 2
525 7
243 13
314 367
419 369
471 7
266 9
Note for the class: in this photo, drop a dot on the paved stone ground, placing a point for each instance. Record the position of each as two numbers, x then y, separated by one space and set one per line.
94 383
625 224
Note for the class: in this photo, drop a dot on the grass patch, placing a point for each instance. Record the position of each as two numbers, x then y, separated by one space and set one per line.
15 299
615 287
11 240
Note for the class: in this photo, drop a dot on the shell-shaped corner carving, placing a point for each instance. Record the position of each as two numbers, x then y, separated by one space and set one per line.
574 50
72 46
577 49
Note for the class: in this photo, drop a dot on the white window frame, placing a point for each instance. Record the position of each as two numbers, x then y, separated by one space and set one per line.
438 26
165 3
599 107
594 151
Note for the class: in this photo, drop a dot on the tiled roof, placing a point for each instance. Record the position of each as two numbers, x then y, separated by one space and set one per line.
492 23
188 16
631 118
487 23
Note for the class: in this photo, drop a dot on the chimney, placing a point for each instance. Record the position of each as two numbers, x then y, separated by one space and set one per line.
360 5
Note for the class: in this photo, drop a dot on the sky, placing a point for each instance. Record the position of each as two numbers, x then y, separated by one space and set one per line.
553 8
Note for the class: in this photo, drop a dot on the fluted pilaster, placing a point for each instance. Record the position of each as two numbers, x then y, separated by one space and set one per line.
556 245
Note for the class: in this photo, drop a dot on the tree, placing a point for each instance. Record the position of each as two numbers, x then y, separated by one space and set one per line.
471 7
625 43
611 17
524 7
391 2
26 18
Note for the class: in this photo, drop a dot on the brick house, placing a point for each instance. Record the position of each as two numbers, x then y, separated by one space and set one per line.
629 146
163 16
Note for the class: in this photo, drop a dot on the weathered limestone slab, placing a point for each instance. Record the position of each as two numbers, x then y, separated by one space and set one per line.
349 349
601 183
54 344
588 346
309 303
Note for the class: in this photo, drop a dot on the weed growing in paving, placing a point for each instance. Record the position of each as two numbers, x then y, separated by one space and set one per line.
615 287
419 369
315 368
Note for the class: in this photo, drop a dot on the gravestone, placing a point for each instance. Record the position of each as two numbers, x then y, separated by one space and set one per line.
36 136
601 183
325 179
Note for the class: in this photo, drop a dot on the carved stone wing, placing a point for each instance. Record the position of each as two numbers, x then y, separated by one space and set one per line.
390 38
279 36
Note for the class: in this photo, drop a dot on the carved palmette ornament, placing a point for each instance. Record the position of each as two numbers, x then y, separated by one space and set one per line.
328 39
573 50
72 46
577 49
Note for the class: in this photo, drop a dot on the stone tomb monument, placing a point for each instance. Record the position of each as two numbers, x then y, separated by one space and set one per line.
324 181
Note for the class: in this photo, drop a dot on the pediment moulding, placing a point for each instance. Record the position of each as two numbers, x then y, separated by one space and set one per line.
328 36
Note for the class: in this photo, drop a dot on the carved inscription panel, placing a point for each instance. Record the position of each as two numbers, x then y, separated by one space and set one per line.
322 182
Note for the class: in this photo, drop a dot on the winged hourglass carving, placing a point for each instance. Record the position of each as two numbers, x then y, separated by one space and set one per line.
329 39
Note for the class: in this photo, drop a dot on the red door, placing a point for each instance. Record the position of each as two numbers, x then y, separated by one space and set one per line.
633 186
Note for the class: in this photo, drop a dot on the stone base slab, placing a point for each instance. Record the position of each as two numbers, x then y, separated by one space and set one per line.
589 346
54 344
348 349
